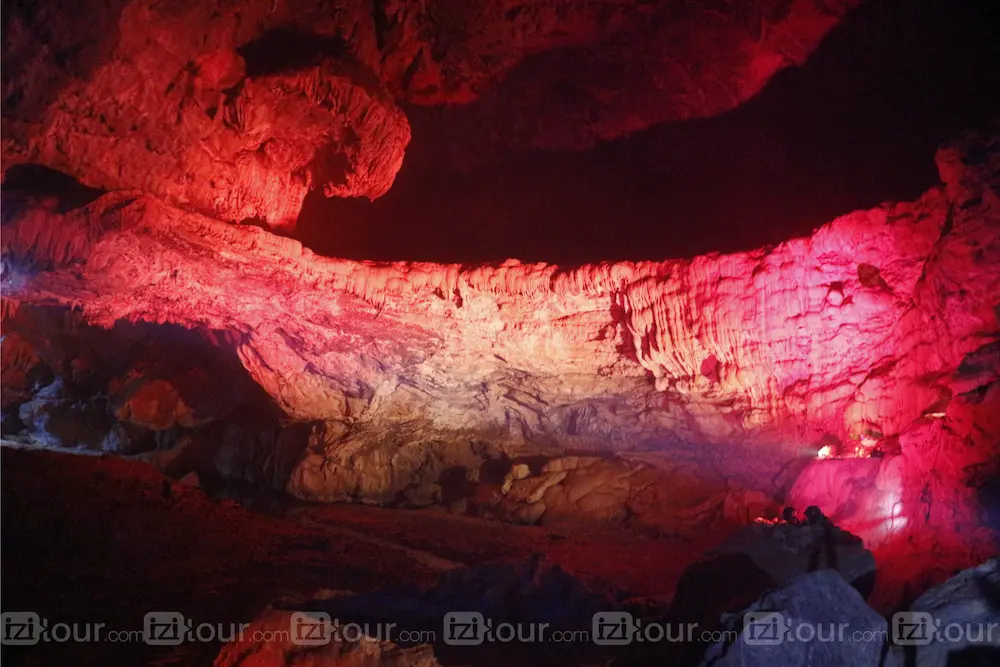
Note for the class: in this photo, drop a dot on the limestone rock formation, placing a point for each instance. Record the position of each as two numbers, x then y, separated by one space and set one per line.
817 619
54 419
647 490
237 110
879 325
757 559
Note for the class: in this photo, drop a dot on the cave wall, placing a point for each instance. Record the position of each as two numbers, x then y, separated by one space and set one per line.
876 328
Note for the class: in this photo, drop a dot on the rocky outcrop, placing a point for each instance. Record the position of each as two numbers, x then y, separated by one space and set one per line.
785 550
757 559
413 465
407 464
204 136
658 492
237 110
127 389
536 596
817 619
56 419
957 622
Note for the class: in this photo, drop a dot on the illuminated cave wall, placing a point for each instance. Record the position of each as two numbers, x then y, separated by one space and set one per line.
870 328
879 328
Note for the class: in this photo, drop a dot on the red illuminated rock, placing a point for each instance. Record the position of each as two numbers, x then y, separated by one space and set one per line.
20 365
237 110
155 404
287 649
252 152
536 358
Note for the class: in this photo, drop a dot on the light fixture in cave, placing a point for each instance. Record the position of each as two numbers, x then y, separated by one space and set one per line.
866 449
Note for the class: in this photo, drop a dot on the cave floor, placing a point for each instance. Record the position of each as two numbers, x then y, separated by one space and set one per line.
101 539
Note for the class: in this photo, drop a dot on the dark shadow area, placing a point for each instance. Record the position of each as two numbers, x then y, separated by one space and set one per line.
518 595
283 49
76 37
40 182
975 656
858 124
79 384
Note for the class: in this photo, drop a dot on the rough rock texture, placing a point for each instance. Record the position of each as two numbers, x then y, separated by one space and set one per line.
820 603
127 389
234 147
238 109
751 562
880 325
618 68
55 420
534 592
675 498
965 621
785 550
23 371
930 482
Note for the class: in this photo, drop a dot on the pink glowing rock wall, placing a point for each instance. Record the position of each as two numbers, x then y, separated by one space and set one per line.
881 325
860 327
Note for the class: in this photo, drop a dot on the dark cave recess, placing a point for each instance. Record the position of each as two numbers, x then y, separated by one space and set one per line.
857 125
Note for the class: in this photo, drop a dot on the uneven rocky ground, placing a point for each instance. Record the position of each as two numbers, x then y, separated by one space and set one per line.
125 540
97 541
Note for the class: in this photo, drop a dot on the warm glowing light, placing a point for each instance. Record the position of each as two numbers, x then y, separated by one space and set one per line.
825 452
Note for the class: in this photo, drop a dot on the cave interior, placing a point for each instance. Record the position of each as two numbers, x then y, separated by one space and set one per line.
391 315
